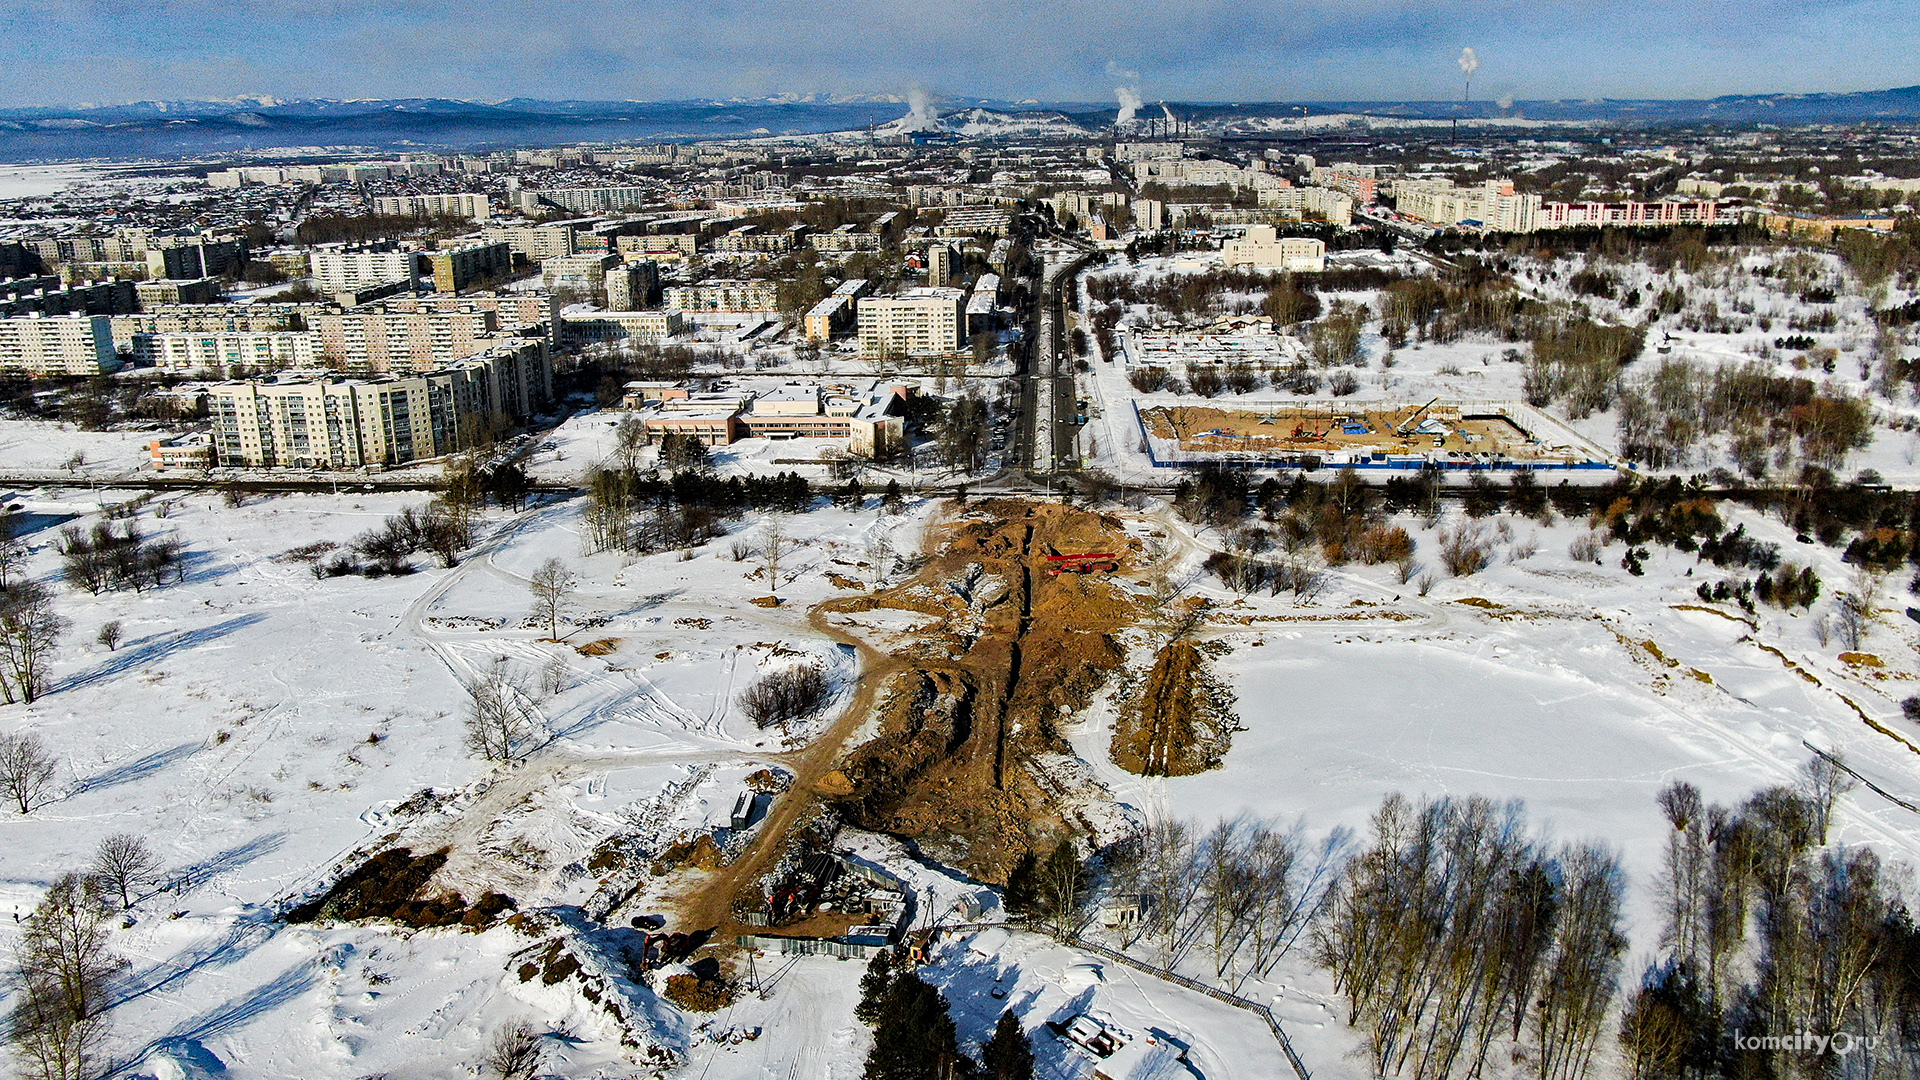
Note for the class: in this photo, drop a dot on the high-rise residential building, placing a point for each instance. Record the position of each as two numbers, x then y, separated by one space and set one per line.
581 273
455 268
41 345
194 257
224 351
163 292
537 243
585 200
228 318
345 267
919 322
45 296
941 265
341 422
657 245
367 339
1492 205
632 286
1149 215
521 314
463 205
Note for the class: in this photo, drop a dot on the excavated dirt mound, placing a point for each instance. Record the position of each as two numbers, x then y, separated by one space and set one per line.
1182 721
1013 650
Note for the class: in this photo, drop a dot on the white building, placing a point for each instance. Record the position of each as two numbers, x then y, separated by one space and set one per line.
1493 205
343 268
919 322
466 206
42 345
1262 249
223 350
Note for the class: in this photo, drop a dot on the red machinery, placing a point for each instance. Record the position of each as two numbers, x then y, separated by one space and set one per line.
1084 563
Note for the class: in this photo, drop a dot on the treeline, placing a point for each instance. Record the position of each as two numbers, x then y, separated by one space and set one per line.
1668 412
108 557
646 512
1769 933
1187 296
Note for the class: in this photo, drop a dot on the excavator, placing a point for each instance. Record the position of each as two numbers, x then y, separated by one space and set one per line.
1083 563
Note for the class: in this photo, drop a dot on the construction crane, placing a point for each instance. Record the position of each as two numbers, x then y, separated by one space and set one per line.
1410 421
1083 563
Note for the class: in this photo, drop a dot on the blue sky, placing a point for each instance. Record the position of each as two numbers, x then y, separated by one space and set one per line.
67 51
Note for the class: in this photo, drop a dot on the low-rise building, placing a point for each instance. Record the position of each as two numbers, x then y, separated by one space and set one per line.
192 451
1263 249
648 327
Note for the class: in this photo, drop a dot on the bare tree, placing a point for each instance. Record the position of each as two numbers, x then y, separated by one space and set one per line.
63 967
771 548
13 550
29 629
1851 614
787 695
124 864
1822 781
553 587
499 720
516 1052
26 771
629 439
109 634
554 676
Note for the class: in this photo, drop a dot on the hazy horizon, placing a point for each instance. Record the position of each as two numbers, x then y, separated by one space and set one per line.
67 52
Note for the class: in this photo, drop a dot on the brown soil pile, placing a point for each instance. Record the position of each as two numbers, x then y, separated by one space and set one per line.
389 886
981 690
1182 721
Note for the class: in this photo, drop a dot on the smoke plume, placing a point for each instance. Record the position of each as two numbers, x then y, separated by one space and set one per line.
920 113
1506 101
1469 61
1129 103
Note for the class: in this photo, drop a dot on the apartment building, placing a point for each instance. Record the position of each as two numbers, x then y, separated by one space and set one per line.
342 422
225 351
537 243
942 265
455 268
597 200
45 296
521 314
465 206
844 240
749 240
658 245
585 272
632 286
1493 205
230 318
405 339
1359 182
1630 214
176 257
168 291
919 322
724 294
1333 207
51 345
348 267
1262 249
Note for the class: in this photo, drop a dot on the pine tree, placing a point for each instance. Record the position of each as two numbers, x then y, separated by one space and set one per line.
1023 886
914 1037
874 986
1007 1056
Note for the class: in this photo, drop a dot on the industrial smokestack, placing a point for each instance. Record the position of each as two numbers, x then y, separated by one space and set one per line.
1469 63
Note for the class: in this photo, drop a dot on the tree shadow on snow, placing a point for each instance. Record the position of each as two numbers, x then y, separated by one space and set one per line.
188 878
247 933
185 1042
127 772
157 647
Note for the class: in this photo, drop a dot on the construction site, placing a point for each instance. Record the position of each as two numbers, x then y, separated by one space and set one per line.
1368 434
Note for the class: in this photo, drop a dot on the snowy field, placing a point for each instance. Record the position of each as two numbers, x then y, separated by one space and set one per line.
259 724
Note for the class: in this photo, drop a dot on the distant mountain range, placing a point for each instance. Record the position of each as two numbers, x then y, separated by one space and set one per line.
171 129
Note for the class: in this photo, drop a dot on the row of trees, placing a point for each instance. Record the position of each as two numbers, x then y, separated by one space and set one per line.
1768 932
1456 929
1668 414
628 510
